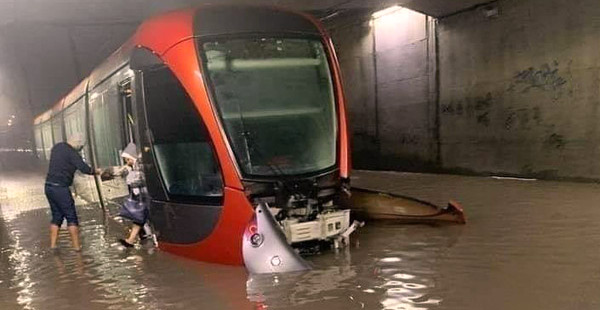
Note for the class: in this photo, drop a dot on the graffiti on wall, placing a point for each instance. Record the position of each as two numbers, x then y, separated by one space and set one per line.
408 139
546 78
477 108
522 118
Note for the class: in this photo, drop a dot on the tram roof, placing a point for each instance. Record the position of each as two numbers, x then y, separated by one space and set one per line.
161 32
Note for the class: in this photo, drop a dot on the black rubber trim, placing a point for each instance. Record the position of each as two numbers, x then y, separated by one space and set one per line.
223 20
183 223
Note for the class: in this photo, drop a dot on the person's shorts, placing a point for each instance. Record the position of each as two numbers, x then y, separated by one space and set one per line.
62 205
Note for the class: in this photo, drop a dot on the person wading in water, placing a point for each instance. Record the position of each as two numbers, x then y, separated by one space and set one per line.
64 161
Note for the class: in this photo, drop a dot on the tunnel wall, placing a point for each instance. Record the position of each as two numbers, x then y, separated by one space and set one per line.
352 37
520 91
389 82
13 95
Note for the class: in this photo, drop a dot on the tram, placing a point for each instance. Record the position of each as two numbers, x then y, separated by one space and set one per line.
236 111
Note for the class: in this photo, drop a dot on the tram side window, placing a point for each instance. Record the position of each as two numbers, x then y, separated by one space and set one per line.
75 123
47 138
57 128
105 103
39 147
181 143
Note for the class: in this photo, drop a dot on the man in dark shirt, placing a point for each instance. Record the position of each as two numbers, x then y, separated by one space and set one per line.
64 161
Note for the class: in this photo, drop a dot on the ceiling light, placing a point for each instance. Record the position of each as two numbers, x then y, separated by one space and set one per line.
390 10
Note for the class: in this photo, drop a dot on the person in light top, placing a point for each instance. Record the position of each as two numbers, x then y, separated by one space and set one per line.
134 179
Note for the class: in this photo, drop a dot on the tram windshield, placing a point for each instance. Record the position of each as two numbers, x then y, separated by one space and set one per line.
275 98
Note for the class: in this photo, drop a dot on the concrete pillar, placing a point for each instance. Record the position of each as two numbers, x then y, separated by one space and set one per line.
388 64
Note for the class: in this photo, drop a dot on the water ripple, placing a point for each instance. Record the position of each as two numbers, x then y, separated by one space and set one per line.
527 246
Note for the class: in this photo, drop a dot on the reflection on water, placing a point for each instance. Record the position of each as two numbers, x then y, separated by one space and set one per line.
528 245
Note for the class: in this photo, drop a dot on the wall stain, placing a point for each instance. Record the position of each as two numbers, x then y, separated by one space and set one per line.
527 169
522 118
510 120
545 78
459 109
555 141
447 109
484 119
537 115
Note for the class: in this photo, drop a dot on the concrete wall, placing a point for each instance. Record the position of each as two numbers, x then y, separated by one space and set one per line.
520 92
13 95
387 67
60 42
404 83
353 39
58 57
519 89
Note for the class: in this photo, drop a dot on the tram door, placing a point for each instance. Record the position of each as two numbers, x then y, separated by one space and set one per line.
182 173
110 132
128 113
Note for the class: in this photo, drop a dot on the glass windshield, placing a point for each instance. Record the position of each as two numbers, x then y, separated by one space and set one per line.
275 98
181 142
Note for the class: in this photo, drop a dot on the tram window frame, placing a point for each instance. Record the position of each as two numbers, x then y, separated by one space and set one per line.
47 139
39 144
156 133
127 110
210 85
74 117
57 127
107 123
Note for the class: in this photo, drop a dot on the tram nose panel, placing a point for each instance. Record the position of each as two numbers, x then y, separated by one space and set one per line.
265 248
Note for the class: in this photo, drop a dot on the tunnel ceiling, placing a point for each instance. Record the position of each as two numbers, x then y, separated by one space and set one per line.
58 42
68 11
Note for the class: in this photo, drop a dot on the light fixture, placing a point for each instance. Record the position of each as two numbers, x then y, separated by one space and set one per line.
390 10
490 11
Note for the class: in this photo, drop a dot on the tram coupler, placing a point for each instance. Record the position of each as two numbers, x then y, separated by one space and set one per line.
343 239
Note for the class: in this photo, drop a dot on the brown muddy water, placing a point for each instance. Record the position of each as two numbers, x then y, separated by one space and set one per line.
527 245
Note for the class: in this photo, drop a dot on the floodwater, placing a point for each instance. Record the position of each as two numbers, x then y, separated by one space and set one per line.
527 245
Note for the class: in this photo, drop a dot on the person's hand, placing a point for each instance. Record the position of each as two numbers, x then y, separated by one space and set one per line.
98 171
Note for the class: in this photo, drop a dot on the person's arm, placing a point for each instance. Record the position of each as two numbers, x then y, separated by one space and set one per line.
81 165
121 171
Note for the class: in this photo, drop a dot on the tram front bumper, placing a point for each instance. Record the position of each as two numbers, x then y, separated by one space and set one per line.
265 248
326 226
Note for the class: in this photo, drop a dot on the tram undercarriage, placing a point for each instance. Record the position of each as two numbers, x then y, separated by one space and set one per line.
276 237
